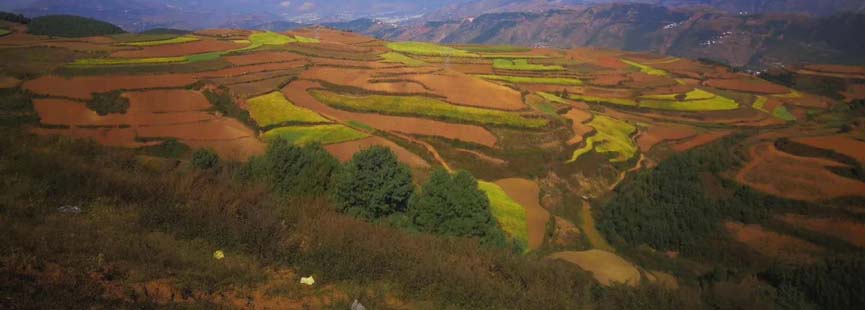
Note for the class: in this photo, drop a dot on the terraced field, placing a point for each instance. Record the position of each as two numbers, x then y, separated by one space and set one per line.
321 134
273 109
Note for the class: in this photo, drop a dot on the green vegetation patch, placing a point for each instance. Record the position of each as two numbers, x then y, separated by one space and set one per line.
523 64
782 113
175 40
552 98
126 61
510 215
273 109
109 103
270 38
533 80
646 69
71 26
696 94
321 134
513 56
494 48
427 107
428 49
718 103
613 136
394 57
616 101
302 39
4 32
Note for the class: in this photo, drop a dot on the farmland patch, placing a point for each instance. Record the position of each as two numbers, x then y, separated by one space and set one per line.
322 134
273 109
510 215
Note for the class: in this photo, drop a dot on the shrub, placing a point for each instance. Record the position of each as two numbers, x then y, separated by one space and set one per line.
205 159
374 184
109 103
301 171
453 205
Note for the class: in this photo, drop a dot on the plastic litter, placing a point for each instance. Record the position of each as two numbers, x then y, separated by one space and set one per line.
357 306
69 209
307 280
218 255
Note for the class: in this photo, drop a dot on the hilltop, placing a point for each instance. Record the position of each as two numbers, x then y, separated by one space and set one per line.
421 175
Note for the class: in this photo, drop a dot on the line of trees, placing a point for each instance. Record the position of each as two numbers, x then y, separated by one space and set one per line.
71 26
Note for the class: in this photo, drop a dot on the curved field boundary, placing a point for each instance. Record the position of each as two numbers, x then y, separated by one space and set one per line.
646 69
175 40
510 215
578 123
523 65
273 109
527 194
322 134
344 151
427 107
533 80
297 92
748 86
612 136
841 144
774 245
658 134
429 49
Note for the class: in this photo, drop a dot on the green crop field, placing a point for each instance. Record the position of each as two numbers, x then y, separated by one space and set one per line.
793 94
270 38
646 69
494 48
593 99
513 56
533 80
394 57
696 94
4 32
782 113
175 40
322 134
427 107
273 109
126 61
301 39
428 49
760 103
718 103
552 98
523 64
510 215
612 136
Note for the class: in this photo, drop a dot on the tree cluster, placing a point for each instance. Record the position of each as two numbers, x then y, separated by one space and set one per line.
71 26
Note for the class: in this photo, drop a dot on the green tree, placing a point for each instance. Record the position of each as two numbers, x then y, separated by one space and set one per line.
294 170
374 184
205 159
453 205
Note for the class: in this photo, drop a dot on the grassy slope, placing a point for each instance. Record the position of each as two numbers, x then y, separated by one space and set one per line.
428 107
613 136
428 49
273 109
523 65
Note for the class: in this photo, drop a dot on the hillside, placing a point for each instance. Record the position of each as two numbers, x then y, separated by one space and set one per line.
71 26
738 40
217 168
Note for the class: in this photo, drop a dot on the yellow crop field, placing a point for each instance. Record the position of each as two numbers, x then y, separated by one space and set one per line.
510 215
273 109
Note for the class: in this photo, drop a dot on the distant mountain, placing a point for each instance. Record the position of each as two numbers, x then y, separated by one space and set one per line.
739 40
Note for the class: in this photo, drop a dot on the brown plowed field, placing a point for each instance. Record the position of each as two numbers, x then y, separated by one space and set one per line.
233 149
848 230
82 87
183 49
297 92
579 118
264 57
774 245
169 100
841 144
221 129
467 90
699 140
802 178
344 151
9 82
658 134
526 193
748 86
244 70
854 92
71 113
360 78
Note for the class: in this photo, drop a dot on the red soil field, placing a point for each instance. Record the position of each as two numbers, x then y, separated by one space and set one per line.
9 82
609 79
360 78
666 90
802 178
841 144
297 92
344 151
472 68
116 137
235 149
169 100
750 86
578 119
774 245
253 77
244 70
71 113
220 129
224 33
851 231
325 34
526 193
658 134
81 87
854 92
482 156
699 140
264 57
183 49
354 64
467 90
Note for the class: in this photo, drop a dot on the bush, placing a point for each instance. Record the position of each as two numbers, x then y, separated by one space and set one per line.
452 205
306 171
109 103
205 159
374 184
71 26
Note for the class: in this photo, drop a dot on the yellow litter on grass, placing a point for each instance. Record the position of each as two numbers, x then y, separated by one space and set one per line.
307 280
218 255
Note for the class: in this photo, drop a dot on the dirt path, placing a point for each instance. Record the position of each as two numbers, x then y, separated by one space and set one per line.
527 193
